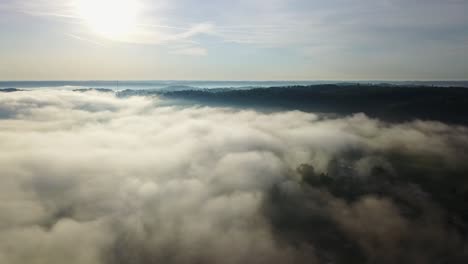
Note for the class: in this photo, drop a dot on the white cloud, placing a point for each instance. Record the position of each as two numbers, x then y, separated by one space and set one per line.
132 180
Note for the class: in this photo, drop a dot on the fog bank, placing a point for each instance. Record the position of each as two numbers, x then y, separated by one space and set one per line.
92 178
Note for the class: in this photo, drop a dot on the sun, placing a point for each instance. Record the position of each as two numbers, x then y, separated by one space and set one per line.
109 18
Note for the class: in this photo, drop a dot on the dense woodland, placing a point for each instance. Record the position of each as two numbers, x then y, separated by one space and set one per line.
390 103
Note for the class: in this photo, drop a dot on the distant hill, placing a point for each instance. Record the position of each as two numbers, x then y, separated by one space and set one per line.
387 102
102 90
10 90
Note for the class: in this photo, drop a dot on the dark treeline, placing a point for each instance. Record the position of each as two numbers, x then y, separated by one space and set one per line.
390 103
9 90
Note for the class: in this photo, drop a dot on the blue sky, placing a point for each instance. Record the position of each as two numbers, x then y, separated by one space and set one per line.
234 40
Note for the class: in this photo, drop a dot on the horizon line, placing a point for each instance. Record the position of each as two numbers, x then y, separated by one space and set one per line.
241 80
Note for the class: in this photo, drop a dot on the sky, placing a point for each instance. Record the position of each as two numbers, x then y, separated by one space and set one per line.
233 40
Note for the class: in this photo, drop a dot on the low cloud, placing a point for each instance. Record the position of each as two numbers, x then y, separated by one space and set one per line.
92 178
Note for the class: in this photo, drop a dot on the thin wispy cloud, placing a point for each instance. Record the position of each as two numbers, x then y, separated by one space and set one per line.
366 30
141 33
85 40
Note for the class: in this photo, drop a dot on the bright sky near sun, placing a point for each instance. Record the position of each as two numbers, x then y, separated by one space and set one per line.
108 18
234 40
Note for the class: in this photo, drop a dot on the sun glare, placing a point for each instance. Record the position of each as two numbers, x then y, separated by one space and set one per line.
109 18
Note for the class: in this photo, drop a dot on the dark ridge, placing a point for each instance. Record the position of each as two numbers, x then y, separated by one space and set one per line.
102 90
10 90
177 88
387 102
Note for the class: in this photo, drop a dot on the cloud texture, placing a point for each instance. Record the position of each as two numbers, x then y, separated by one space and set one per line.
92 178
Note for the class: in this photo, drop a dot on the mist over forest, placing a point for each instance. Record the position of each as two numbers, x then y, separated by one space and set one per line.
233 132
388 102
304 174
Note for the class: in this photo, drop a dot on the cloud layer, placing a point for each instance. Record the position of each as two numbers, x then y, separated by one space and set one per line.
92 178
